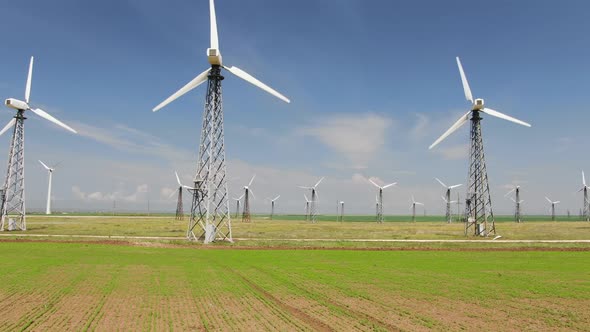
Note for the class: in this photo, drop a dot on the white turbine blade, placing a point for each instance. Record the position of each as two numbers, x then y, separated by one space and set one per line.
317 184
305 187
419 203
583 179
512 199
251 192
581 189
213 18
172 194
47 168
508 193
202 77
548 200
241 197
455 186
189 188
8 125
389 185
47 116
444 199
274 199
504 116
556 202
453 202
252 80
466 88
29 78
306 199
521 201
376 185
177 178
413 200
454 127
441 183
251 180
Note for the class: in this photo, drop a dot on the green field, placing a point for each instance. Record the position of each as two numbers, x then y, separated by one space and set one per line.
289 274
59 286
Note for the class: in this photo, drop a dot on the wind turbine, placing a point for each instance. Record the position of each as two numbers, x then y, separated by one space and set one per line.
13 198
517 201
413 207
313 202
447 198
179 206
379 206
586 211
479 209
272 206
212 213
247 192
238 204
50 171
307 201
341 211
552 207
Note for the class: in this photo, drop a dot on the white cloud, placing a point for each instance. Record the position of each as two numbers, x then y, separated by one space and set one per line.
118 195
420 129
356 137
460 151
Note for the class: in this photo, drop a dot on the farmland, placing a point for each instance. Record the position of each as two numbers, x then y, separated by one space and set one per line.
82 273
105 287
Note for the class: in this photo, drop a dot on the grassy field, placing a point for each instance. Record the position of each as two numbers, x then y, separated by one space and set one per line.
84 286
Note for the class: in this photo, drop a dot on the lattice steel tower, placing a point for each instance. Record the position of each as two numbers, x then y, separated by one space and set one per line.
586 209
13 192
210 216
478 208
517 201
179 208
379 199
312 210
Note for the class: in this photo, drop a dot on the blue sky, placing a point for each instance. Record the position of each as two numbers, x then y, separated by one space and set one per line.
372 83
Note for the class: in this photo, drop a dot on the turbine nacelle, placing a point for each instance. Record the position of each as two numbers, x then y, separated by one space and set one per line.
214 57
17 104
478 104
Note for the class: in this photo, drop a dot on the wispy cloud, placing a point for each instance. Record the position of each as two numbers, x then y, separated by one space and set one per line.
420 129
140 193
125 138
454 152
357 137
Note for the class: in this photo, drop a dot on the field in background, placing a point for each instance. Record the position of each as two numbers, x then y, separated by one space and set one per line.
79 286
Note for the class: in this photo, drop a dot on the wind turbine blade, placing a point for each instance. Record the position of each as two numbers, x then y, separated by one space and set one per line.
213 18
47 168
521 201
252 80
177 178
548 200
512 199
441 183
251 180
202 77
376 185
8 125
455 186
317 184
581 189
29 78
274 199
583 179
466 88
413 200
504 116
172 194
305 187
47 116
508 193
241 197
420 203
444 199
252 192
306 199
189 188
454 127
556 202
389 185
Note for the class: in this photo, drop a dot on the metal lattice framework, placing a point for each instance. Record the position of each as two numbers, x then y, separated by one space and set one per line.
179 207
246 213
478 213
379 206
586 212
448 214
210 216
517 202
13 198
313 206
